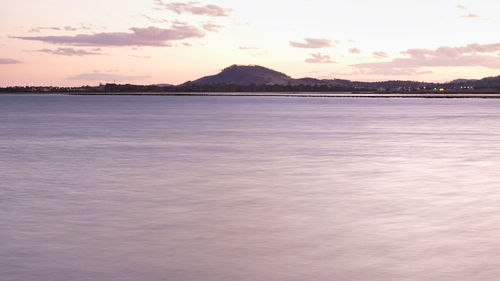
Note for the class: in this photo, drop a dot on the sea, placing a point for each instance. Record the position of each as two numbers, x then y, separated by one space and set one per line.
238 188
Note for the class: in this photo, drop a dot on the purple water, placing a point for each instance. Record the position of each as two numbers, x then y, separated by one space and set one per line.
248 188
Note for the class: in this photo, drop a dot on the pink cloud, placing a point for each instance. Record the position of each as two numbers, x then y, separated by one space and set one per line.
150 36
312 43
454 51
380 54
470 16
212 27
355 51
319 58
195 8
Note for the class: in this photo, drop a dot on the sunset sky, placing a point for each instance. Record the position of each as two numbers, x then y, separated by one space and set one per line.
76 42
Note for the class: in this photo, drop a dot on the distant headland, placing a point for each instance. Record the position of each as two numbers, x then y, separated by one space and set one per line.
259 79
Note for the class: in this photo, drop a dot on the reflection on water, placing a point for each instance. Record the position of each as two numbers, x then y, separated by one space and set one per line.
248 188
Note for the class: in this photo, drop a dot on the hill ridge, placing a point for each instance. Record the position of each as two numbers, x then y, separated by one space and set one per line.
244 75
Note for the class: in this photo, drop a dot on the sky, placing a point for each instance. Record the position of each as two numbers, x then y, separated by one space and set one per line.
76 42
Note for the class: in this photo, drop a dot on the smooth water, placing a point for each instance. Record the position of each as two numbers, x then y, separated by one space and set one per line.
119 188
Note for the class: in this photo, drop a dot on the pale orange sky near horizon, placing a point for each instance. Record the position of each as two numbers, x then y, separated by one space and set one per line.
71 43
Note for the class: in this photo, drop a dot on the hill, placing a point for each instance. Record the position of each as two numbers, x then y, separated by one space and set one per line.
245 75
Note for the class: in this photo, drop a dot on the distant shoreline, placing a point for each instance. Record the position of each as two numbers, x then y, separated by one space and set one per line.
493 95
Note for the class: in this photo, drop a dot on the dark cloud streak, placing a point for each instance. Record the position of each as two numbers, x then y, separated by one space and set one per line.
53 28
8 61
69 52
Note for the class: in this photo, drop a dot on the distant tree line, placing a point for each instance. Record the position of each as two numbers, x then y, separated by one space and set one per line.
230 88
187 88
487 84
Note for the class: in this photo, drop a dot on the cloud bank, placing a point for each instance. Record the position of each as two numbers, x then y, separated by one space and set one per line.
473 55
150 36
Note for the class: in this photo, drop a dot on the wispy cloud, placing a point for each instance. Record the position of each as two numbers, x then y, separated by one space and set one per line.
8 61
481 55
40 28
319 58
195 8
380 54
150 36
247 48
312 43
354 51
54 28
154 20
70 52
470 16
140 57
212 27
254 51
259 53
105 77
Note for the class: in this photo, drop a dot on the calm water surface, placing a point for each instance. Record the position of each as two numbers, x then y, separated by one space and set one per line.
248 188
